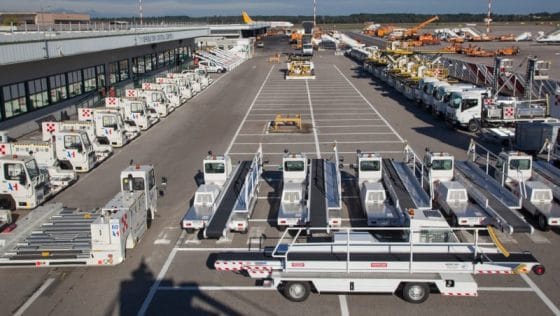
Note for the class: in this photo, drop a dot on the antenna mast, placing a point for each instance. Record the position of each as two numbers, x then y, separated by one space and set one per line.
489 17
314 13
141 12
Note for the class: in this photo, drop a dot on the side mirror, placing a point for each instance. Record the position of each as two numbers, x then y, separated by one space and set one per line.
341 158
162 186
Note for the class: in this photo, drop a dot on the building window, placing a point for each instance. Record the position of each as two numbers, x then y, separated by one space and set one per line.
100 75
90 80
123 67
58 88
38 93
148 60
14 99
141 65
74 83
161 60
114 73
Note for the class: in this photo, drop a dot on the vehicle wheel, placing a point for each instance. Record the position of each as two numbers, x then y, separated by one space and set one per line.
149 219
473 126
543 225
416 293
296 291
282 228
454 221
7 203
190 230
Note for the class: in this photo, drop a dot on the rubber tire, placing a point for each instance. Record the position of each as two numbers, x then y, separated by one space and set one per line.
289 288
7 203
542 223
149 219
408 295
454 221
190 230
473 126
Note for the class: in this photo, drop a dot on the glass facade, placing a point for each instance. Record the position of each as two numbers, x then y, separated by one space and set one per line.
23 97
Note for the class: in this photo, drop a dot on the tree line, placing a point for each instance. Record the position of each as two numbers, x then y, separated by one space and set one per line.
353 18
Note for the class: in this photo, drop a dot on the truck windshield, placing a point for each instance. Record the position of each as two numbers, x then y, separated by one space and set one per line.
442 164
85 141
137 184
307 46
214 167
294 165
32 169
520 164
371 165
455 101
137 107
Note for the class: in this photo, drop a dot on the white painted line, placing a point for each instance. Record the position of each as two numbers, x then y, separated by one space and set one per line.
367 101
216 288
160 276
34 297
291 143
347 126
248 111
323 143
310 152
541 294
184 249
538 238
343 305
313 121
506 289
349 119
359 133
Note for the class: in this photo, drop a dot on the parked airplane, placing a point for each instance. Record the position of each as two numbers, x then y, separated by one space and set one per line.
247 20
550 38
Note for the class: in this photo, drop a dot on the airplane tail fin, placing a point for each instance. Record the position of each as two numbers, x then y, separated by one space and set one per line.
246 18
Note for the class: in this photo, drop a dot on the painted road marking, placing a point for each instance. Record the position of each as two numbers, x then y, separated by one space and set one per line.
541 294
343 305
317 149
248 111
34 297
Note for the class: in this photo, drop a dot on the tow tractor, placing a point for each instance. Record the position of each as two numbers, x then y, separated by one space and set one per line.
134 109
171 91
156 100
54 235
184 86
515 171
379 210
191 77
109 125
311 192
300 69
24 185
457 196
226 199
46 158
102 151
352 260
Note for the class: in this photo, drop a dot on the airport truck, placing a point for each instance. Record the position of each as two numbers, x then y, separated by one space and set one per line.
311 192
420 89
515 171
109 126
475 108
46 158
226 199
353 260
134 109
54 235
185 89
156 100
171 91
443 94
378 208
24 185
191 76
100 145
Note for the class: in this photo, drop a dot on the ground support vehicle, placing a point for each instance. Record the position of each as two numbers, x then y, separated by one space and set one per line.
156 100
108 125
54 235
133 109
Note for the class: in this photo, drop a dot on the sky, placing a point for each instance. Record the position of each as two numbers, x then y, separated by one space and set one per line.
115 8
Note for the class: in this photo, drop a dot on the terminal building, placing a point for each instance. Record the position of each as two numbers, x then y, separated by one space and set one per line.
45 73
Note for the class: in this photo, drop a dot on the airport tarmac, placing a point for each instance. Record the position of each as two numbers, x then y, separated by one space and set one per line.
170 272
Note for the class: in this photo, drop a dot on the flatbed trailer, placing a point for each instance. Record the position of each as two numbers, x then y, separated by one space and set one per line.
353 261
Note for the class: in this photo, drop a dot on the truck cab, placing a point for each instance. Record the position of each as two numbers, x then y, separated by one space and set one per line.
170 90
419 90
205 81
134 109
293 205
183 84
109 125
428 92
141 178
155 100
465 108
440 166
23 185
73 148
193 79
513 167
443 94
